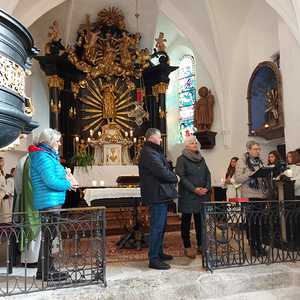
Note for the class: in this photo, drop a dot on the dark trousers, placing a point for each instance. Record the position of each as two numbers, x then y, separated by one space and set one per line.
255 223
49 233
185 229
158 222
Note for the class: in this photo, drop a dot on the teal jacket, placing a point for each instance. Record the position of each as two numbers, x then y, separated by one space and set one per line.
48 177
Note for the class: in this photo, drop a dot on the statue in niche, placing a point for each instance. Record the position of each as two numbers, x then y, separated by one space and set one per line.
203 112
271 112
109 106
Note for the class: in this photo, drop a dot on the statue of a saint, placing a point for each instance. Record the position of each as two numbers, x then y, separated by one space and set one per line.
203 112
109 106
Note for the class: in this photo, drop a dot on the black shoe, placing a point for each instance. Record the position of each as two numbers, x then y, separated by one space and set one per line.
53 276
159 265
165 257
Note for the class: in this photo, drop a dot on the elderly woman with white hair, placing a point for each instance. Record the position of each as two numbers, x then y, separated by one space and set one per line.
194 187
50 181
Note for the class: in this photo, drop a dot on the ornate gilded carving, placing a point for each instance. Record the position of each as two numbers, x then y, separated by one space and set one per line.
105 102
112 16
109 98
160 88
108 53
12 76
55 81
75 87
54 46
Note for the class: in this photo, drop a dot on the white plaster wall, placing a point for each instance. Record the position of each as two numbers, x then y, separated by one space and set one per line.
240 50
290 66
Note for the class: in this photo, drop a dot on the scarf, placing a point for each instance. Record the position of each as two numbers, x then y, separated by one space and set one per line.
193 156
254 163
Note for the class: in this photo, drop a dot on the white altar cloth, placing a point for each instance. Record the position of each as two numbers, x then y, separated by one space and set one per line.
106 193
107 174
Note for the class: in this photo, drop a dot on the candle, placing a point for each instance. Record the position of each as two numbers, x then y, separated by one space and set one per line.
144 139
77 139
89 140
94 182
91 132
99 133
131 133
134 140
126 134
101 183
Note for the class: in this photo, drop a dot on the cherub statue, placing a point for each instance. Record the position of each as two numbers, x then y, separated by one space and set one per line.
160 43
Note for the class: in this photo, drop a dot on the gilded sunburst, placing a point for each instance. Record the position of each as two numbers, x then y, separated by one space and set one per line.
105 102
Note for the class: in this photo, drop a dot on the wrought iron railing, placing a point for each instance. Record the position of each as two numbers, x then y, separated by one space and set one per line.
258 232
69 245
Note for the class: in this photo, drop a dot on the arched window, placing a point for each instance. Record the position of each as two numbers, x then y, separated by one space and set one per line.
187 96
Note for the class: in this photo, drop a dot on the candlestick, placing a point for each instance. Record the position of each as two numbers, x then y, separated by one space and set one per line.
134 140
91 132
89 140
77 139
131 133
99 133
126 133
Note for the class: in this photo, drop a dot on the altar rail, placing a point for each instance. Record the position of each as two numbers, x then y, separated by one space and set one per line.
251 233
79 238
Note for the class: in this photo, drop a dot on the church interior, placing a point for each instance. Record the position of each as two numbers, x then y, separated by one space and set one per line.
102 73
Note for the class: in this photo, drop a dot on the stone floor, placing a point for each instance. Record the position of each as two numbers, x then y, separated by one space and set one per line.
186 281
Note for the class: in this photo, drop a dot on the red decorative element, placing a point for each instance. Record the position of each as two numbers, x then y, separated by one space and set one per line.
33 148
139 95
238 200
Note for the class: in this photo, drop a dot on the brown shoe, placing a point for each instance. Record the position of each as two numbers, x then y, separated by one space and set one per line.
190 253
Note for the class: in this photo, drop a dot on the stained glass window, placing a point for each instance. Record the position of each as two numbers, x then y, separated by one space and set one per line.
187 96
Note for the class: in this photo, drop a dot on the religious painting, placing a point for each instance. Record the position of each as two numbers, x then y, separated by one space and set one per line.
112 154
265 102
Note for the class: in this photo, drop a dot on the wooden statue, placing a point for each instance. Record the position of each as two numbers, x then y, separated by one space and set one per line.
203 112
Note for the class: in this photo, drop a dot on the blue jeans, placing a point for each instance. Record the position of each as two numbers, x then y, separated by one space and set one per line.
158 222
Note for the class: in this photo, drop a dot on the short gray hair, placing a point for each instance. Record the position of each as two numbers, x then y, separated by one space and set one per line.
150 132
49 136
250 144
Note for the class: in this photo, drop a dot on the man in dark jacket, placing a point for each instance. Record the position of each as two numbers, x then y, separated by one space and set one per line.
158 188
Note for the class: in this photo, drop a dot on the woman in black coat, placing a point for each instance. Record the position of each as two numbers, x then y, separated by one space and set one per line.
194 187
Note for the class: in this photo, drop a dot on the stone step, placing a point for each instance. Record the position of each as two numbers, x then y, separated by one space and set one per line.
187 281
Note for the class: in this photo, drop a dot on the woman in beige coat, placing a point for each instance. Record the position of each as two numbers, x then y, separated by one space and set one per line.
255 190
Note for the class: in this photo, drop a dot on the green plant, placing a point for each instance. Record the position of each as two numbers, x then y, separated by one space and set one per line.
83 160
